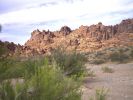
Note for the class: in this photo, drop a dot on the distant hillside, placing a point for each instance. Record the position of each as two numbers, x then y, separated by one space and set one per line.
84 39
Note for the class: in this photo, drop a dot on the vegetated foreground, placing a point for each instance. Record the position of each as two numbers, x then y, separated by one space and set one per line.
54 77
119 83
58 76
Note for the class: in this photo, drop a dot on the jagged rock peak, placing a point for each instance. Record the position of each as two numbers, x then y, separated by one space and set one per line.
65 30
35 32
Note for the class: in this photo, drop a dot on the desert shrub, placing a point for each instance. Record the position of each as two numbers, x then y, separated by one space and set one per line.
11 69
97 61
106 69
7 91
44 78
4 66
31 65
118 56
72 63
131 53
3 50
46 83
113 54
49 80
100 94
90 73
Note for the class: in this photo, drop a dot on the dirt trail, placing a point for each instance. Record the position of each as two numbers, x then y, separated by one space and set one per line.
119 83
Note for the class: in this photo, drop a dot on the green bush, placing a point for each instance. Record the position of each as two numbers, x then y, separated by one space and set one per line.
44 78
90 73
131 53
72 64
11 69
46 83
7 91
100 94
118 56
114 54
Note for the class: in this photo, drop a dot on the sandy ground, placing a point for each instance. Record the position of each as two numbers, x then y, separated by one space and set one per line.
119 83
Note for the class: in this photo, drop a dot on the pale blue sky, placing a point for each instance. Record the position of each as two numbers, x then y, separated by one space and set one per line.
20 17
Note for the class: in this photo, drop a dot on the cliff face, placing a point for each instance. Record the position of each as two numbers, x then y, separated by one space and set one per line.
83 39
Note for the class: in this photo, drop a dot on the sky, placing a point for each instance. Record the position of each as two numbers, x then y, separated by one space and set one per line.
20 17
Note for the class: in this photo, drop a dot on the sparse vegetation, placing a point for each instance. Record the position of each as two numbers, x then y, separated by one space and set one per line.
114 54
131 53
56 74
91 73
97 61
118 56
106 69
7 91
49 77
73 64
43 81
100 94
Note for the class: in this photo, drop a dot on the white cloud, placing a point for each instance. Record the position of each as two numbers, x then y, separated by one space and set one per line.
63 10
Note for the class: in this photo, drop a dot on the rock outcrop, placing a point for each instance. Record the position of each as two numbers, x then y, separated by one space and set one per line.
7 48
65 30
83 39
125 26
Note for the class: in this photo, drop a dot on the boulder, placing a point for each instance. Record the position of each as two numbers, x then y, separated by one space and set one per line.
65 30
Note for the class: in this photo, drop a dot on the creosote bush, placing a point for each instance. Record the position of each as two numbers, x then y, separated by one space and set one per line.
56 77
72 63
100 94
118 56
46 82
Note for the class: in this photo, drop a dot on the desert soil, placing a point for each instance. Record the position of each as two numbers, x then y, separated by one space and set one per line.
119 83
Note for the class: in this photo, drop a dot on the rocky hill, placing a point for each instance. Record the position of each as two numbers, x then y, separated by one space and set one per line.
83 39
8 48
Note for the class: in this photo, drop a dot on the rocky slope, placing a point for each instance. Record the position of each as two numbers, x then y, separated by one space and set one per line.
8 48
83 39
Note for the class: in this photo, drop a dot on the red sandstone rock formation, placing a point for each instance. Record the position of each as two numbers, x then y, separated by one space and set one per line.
83 39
